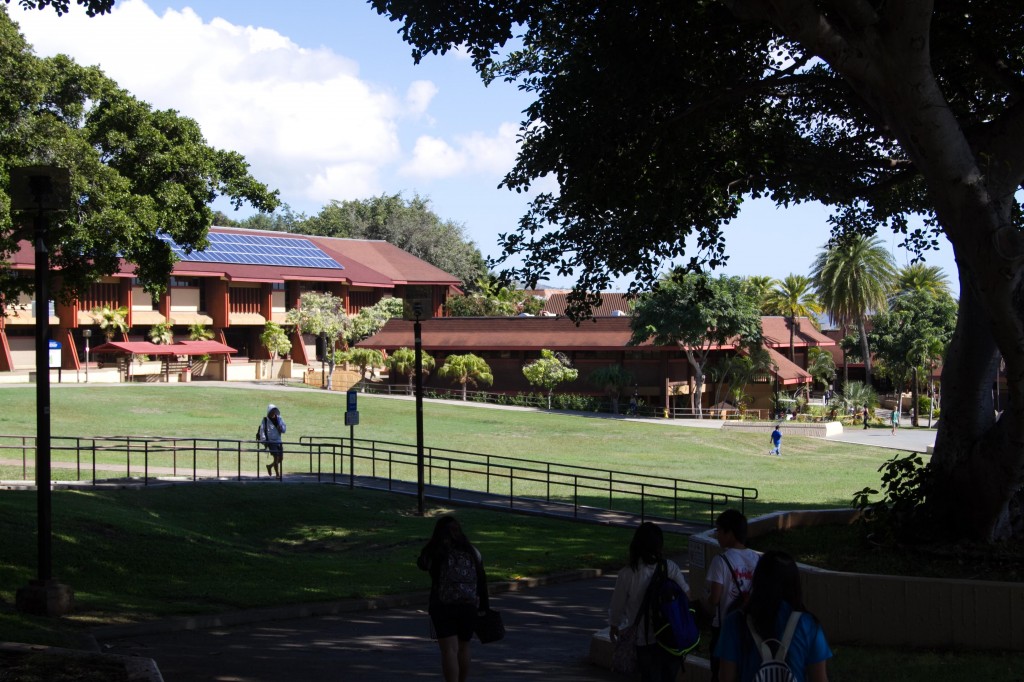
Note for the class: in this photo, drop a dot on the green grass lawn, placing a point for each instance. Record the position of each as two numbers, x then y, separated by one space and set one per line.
813 472
137 554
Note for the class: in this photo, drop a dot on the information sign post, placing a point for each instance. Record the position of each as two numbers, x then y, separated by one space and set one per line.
351 421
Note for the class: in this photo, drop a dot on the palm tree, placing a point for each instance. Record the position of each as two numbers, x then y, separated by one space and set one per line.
364 359
199 332
856 394
922 277
821 366
794 297
613 380
854 278
465 370
760 288
162 333
111 320
403 363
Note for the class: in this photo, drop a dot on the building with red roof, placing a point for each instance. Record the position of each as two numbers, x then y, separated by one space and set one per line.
245 279
507 343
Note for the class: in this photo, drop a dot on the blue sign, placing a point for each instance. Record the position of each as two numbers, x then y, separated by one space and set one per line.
352 395
54 354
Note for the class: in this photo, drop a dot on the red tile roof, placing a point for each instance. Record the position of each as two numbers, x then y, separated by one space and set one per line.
789 372
610 303
506 333
776 333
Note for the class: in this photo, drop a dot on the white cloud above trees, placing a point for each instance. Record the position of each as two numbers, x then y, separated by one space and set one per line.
304 118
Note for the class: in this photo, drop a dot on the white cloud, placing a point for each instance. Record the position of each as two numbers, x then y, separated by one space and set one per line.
306 121
294 113
477 153
419 96
432 157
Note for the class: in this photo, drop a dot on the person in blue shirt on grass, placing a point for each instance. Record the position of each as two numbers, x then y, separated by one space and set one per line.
776 442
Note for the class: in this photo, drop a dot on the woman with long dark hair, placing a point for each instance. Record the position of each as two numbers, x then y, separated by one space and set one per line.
458 594
646 552
775 608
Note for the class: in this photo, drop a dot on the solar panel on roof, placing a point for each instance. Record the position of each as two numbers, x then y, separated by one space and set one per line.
256 250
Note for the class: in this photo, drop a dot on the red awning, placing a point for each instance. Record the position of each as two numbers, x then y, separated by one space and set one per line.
155 349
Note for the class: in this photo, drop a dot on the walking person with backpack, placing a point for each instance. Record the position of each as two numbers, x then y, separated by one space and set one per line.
729 576
773 638
458 594
650 606
271 428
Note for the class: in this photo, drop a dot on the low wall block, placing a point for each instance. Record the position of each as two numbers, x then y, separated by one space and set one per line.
889 610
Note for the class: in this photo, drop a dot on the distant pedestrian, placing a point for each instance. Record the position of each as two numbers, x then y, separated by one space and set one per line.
776 442
633 404
894 419
271 429
865 416
458 594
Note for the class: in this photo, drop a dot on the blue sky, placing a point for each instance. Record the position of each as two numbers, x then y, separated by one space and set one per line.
323 99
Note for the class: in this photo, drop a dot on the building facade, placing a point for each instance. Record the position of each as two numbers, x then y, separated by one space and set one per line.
245 279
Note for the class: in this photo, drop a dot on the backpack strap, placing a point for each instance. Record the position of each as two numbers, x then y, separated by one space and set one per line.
660 572
735 580
787 639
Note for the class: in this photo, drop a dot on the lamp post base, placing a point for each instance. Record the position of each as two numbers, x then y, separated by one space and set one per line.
45 598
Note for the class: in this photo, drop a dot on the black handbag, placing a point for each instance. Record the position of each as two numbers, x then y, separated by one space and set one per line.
489 627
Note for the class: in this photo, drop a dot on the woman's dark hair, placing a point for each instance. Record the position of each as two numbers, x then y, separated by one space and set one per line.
448 534
776 580
646 545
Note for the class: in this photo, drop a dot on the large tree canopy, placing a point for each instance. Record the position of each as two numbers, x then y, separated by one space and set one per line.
134 171
700 314
658 117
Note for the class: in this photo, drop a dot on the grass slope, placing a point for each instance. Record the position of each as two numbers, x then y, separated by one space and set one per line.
812 473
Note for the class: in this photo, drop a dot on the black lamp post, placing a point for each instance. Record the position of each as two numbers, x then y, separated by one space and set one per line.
418 337
323 359
86 334
42 190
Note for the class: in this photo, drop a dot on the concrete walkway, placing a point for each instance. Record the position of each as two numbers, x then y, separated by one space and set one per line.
548 633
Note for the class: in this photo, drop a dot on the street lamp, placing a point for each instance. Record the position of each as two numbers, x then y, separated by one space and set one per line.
323 359
417 328
86 334
42 190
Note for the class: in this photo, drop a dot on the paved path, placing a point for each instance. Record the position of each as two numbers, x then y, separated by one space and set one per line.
548 631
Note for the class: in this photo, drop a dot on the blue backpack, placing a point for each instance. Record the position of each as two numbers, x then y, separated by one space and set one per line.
666 611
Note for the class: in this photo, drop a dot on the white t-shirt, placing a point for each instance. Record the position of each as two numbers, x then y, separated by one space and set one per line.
630 587
743 561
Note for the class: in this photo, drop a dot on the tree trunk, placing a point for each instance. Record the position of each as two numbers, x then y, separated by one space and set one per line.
978 460
864 350
914 416
698 382
465 391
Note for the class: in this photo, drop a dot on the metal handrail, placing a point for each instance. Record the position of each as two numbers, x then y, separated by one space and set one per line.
449 471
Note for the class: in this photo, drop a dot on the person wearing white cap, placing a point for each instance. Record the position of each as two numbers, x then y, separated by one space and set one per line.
269 433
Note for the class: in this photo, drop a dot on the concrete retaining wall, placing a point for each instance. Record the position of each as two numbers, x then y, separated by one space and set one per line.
890 610
813 429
